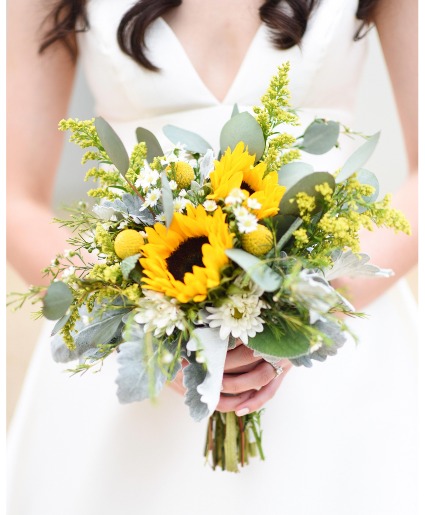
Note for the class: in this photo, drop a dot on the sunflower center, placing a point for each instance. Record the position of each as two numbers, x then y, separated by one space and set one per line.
245 186
185 257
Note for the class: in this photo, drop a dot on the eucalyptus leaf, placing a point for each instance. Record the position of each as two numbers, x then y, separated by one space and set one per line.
243 127
266 278
288 205
127 265
290 345
152 144
194 143
167 199
112 144
358 158
57 300
320 136
292 172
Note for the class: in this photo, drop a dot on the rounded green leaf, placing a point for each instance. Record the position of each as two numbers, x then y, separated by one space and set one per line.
292 172
320 136
243 127
57 300
194 143
358 158
112 144
266 278
292 344
288 205
152 144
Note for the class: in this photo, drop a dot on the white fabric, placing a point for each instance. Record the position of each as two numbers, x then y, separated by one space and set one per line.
340 438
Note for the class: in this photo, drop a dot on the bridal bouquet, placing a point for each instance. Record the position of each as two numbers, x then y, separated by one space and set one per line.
193 251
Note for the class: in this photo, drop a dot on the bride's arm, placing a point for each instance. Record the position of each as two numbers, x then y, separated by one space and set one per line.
397 28
38 92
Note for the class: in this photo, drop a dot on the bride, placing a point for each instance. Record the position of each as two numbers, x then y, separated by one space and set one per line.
339 438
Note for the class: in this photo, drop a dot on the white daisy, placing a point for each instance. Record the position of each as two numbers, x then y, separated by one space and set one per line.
236 196
247 223
159 314
239 316
173 185
147 178
151 198
253 203
210 205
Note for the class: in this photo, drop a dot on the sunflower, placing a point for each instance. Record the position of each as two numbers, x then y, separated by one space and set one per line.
184 261
236 170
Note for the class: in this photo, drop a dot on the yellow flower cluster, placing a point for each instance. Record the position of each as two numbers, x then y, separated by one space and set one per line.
276 102
385 216
301 238
325 190
106 273
137 159
306 204
107 179
104 241
275 155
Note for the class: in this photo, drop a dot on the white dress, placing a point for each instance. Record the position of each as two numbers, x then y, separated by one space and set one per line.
339 439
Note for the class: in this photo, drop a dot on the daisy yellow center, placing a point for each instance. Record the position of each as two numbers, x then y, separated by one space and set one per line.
185 257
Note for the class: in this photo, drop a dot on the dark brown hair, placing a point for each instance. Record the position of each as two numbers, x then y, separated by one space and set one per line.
286 19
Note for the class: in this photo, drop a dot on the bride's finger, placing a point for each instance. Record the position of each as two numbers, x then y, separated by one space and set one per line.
230 402
261 375
258 399
239 357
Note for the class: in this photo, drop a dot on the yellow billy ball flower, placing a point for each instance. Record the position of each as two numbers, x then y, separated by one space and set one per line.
183 174
128 243
258 242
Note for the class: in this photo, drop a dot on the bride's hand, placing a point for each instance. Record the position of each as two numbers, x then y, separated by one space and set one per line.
248 381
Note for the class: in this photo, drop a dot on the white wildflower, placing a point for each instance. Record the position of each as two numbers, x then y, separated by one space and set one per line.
144 234
151 198
68 253
247 223
123 224
236 196
160 217
147 178
183 193
159 314
210 205
180 204
173 185
253 203
240 211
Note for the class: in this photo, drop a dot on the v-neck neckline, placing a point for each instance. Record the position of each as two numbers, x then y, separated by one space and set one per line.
196 74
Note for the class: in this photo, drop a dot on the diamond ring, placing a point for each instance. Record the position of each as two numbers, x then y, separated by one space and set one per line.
277 368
